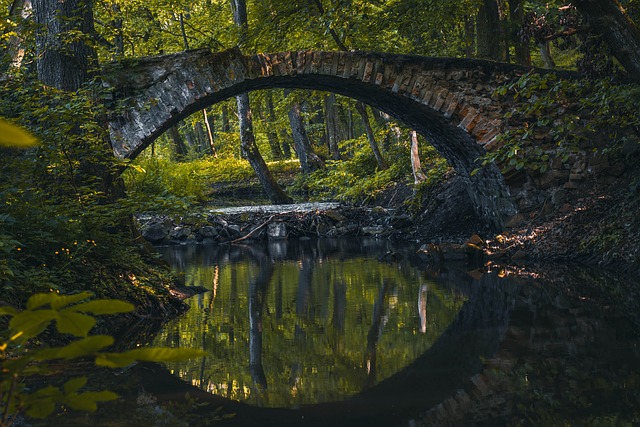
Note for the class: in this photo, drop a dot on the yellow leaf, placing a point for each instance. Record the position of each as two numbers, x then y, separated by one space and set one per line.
15 137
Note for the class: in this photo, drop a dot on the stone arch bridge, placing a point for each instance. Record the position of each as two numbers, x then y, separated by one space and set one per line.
449 101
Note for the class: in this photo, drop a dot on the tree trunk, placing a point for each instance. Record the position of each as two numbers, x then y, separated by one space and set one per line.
251 153
331 125
362 109
488 29
225 120
418 175
119 38
209 136
62 63
248 145
309 161
178 144
19 11
269 120
469 36
545 55
607 18
522 50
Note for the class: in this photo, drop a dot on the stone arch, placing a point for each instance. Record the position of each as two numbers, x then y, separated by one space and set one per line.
449 101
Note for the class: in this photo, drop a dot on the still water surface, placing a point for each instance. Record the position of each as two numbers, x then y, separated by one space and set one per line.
311 322
293 324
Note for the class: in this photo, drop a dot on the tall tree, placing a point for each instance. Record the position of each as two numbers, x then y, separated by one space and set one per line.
247 138
489 31
608 18
64 57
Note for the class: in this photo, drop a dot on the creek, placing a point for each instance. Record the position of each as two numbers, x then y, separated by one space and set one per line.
361 332
357 332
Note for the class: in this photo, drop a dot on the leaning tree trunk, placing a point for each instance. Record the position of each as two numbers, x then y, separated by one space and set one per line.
251 153
362 109
607 17
64 64
248 145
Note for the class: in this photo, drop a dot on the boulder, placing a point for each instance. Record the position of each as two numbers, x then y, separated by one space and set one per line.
157 230
180 233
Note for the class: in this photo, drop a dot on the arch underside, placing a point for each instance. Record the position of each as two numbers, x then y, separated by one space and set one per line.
157 111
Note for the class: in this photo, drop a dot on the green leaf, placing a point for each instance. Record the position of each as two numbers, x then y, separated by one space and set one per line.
39 300
70 322
15 137
56 301
104 306
84 347
42 403
62 301
152 354
6 310
74 384
88 401
28 324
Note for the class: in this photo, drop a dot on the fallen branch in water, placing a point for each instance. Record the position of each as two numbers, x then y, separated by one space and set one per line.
254 231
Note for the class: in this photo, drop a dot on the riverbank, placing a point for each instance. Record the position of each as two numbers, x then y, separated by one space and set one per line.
595 224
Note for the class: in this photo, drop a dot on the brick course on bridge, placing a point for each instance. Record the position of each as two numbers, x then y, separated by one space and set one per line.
449 101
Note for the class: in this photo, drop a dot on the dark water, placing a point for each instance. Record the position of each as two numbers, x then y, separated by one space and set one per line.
292 324
357 332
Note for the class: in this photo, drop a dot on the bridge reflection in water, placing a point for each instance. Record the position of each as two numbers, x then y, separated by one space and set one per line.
322 333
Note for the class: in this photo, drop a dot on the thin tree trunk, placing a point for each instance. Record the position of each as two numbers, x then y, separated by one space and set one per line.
331 125
309 161
469 36
210 139
248 145
545 55
269 121
18 11
418 175
608 18
178 144
251 153
362 109
522 50
225 119
119 38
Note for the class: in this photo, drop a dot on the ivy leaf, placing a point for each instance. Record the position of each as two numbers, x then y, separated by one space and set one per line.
84 347
104 306
69 322
74 384
8 311
61 301
56 301
15 137
89 401
42 403
28 324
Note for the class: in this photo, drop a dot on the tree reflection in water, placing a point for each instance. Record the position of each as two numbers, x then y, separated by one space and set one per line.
326 320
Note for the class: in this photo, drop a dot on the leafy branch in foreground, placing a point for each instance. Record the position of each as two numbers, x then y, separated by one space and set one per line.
72 315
